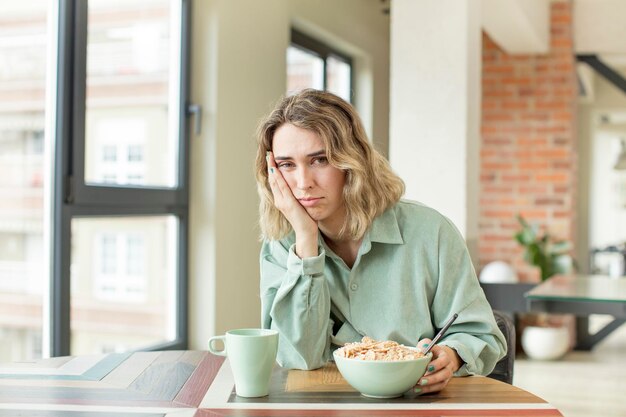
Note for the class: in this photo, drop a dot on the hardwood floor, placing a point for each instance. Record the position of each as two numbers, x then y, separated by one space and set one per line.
581 384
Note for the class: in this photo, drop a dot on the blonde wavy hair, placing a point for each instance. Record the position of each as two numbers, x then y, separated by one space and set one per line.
371 187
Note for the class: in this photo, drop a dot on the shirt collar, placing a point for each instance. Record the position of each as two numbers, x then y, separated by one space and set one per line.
385 228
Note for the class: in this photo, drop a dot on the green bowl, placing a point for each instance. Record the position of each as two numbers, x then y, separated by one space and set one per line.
382 379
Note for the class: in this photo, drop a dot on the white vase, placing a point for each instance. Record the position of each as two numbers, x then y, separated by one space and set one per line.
545 343
498 272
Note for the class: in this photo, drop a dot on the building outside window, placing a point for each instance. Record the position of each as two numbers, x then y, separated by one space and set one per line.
109 153
135 153
24 43
119 268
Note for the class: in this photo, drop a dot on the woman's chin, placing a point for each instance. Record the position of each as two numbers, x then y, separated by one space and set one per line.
315 213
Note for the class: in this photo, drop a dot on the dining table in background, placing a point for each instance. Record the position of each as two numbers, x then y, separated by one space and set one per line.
582 295
198 384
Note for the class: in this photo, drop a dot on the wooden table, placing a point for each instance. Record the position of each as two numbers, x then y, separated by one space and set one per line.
193 383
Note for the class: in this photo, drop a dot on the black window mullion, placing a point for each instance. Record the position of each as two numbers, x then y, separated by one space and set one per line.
183 120
325 75
104 196
59 296
310 44
77 139
353 96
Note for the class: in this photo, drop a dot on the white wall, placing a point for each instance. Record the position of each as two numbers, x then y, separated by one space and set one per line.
435 107
238 72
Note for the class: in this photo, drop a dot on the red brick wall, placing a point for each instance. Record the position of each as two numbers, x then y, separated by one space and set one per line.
528 153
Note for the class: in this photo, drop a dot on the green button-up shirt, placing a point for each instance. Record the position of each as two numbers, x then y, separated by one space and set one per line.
411 274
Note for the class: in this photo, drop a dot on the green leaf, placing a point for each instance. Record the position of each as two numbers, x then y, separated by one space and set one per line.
550 257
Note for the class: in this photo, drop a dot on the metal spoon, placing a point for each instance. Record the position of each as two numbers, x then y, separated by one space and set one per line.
441 333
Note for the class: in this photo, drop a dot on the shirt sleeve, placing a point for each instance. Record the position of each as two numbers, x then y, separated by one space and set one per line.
475 336
295 300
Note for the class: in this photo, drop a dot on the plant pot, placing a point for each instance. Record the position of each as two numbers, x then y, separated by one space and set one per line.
545 343
498 272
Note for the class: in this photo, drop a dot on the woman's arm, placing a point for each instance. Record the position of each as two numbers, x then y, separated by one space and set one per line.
294 294
295 300
474 343
474 335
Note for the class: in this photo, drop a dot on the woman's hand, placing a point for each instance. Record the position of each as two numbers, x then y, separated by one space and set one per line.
304 226
440 369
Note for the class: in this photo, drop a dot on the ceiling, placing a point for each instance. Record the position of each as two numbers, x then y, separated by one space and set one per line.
600 28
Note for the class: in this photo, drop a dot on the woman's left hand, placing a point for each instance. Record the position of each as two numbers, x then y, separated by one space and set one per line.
444 363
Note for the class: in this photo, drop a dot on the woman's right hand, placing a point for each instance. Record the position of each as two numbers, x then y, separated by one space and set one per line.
304 226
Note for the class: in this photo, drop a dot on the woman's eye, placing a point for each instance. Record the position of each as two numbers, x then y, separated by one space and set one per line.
284 165
321 160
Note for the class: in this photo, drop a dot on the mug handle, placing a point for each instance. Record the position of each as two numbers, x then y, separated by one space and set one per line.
213 350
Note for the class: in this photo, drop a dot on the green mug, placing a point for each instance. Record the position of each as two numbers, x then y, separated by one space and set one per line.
252 354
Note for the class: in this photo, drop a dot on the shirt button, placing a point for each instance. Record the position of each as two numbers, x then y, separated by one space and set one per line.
353 287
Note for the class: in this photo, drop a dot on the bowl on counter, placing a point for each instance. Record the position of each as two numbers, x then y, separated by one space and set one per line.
382 379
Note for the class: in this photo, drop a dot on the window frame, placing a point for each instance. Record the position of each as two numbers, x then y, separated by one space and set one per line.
73 198
315 47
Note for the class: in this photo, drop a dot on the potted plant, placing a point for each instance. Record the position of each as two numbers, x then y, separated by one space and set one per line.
545 338
539 250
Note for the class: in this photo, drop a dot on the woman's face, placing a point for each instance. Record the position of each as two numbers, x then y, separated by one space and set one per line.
300 156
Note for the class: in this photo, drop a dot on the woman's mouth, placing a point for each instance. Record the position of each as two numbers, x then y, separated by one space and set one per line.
309 201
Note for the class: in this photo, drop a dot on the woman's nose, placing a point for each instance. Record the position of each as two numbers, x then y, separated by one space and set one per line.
304 178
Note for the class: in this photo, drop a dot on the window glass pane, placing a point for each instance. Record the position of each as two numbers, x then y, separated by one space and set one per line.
123 283
109 153
24 41
338 77
133 92
304 70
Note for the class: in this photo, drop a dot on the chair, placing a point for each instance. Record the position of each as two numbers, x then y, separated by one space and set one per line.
504 368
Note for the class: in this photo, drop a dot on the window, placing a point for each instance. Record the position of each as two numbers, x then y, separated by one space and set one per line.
135 255
109 153
107 255
135 153
312 64
111 213
130 207
120 263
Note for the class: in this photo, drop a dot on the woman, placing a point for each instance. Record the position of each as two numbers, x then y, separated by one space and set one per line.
344 258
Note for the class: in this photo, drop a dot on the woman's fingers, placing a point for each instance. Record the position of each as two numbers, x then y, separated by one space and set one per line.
438 372
442 374
283 187
273 177
423 344
435 381
274 186
425 389
302 223
284 200
440 359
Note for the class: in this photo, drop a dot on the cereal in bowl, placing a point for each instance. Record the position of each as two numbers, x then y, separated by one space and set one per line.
369 349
